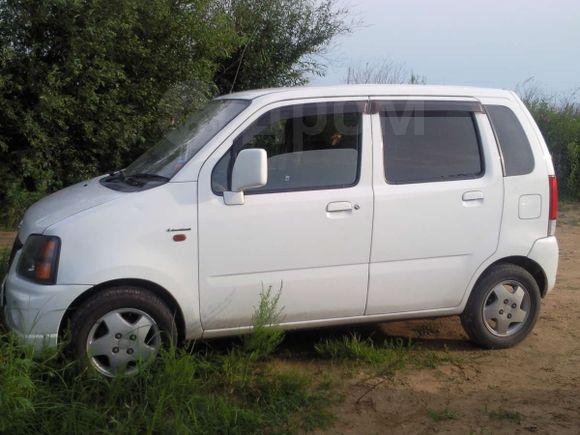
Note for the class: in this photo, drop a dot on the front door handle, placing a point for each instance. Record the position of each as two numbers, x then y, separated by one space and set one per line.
473 195
337 206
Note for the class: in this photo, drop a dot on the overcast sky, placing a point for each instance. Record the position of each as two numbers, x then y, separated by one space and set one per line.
493 43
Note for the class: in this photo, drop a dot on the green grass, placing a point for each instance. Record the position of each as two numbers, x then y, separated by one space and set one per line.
442 414
183 392
236 390
433 359
385 357
505 415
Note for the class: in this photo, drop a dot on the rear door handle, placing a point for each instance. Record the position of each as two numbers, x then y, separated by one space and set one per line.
337 206
473 195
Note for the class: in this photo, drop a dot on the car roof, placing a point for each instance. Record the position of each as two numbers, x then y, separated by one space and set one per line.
299 92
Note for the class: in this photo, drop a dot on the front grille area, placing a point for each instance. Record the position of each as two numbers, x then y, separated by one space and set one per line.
17 246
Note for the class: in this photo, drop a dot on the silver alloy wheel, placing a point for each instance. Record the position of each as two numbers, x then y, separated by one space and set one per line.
122 340
506 308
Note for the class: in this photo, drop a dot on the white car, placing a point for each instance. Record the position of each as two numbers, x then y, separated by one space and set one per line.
361 203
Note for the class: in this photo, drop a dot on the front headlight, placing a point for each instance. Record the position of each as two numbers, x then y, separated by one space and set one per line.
39 259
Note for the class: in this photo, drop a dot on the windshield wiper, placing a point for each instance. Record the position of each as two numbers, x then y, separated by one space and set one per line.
123 182
142 178
145 176
117 175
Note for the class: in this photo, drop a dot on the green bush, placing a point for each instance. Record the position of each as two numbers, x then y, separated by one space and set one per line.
573 179
559 122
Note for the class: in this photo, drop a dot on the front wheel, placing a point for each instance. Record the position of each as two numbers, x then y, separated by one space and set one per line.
503 307
120 330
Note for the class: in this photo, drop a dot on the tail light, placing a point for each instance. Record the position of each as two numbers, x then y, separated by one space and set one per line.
553 213
39 259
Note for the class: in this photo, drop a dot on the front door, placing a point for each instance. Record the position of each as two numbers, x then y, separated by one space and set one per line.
305 235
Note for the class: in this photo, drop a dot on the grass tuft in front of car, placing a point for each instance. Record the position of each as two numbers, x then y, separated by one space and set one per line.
386 356
235 390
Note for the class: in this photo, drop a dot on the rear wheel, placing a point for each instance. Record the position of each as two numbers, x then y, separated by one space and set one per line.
503 307
120 330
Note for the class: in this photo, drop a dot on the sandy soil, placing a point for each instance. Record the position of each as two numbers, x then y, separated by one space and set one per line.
539 379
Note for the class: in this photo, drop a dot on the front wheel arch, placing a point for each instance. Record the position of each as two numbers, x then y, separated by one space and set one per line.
161 292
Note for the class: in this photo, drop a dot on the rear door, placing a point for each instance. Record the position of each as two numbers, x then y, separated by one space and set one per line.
438 187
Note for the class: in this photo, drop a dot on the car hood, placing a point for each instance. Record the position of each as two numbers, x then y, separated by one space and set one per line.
63 204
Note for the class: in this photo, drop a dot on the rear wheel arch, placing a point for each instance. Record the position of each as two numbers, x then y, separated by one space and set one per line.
526 263
161 292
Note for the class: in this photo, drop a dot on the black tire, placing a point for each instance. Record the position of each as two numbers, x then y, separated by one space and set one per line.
483 301
128 304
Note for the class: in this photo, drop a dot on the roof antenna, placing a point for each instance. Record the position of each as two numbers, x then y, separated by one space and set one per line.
241 60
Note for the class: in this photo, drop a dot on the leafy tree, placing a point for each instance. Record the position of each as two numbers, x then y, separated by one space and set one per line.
81 82
87 85
281 41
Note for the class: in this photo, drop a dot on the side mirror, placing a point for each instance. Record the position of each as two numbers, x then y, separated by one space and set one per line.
250 171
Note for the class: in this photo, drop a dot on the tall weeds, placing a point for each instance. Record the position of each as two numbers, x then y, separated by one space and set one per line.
209 391
266 333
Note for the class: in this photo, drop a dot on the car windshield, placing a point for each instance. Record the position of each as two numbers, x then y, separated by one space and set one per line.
179 145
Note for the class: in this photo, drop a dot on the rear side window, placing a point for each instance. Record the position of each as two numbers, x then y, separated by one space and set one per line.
515 146
430 141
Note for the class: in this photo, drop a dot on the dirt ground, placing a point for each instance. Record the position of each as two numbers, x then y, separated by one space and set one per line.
538 381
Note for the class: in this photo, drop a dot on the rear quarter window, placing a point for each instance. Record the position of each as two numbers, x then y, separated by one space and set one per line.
515 146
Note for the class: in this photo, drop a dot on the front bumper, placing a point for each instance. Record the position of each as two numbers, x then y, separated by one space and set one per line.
34 312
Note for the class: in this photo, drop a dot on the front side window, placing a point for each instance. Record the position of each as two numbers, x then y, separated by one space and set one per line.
430 141
309 146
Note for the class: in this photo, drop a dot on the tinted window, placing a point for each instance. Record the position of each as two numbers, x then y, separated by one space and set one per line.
514 144
422 145
311 146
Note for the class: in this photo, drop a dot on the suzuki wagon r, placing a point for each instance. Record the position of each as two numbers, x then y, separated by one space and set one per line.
358 203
